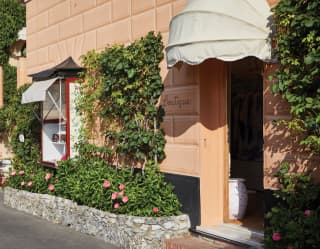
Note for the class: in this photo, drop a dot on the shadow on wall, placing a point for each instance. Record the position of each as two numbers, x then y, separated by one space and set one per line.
281 147
184 84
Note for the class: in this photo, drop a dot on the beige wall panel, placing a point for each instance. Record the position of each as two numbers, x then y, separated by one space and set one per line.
213 140
90 41
71 47
118 32
184 74
41 67
54 53
167 126
80 6
63 50
163 17
166 74
32 60
165 38
22 77
42 20
32 44
185 130
47 4
32 25
178 6
43 56
181 100
71 27
31 9
143 23
59 12
181 159
97 17
120 9
47 36
139 6
74 46
160 2
102 1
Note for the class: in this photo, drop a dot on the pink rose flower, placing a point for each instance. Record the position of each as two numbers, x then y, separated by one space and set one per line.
32 175
13 173
21 172
125 199
23 183
121 193
51 187
276 236
30 184
155 210
307 212
116 205
47 177
121 186
113 196
106 184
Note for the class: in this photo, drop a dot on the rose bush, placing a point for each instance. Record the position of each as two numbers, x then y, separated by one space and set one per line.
295 222
93 183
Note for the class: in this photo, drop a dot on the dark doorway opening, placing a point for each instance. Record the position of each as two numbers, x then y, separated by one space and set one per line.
246 136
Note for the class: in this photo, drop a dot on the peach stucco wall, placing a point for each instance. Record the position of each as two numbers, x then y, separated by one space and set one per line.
60 28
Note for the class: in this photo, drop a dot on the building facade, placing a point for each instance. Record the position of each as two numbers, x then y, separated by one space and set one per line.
198 100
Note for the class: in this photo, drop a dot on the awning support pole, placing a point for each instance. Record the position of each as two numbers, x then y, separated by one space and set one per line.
58 108
37 116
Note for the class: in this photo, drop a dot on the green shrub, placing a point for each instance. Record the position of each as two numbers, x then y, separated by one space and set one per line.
32 179
122 89
21 119
295 221
82 180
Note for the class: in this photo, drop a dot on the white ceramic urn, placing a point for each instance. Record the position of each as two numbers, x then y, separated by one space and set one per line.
238 198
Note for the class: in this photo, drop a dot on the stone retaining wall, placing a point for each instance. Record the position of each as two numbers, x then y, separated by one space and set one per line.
129 232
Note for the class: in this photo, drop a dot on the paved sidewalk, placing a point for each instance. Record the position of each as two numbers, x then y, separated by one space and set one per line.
19 230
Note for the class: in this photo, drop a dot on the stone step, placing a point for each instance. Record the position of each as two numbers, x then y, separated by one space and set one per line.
197 243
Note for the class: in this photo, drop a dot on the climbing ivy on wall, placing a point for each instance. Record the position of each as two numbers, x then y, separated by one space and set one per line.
12 19
21 119
297 38
122 88
16 119
10 82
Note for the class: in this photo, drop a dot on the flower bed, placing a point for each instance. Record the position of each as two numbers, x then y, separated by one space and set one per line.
121 230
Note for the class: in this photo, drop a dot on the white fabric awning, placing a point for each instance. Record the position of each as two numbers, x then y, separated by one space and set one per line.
37 91
228 30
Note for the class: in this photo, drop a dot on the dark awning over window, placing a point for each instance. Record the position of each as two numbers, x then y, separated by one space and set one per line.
67 68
